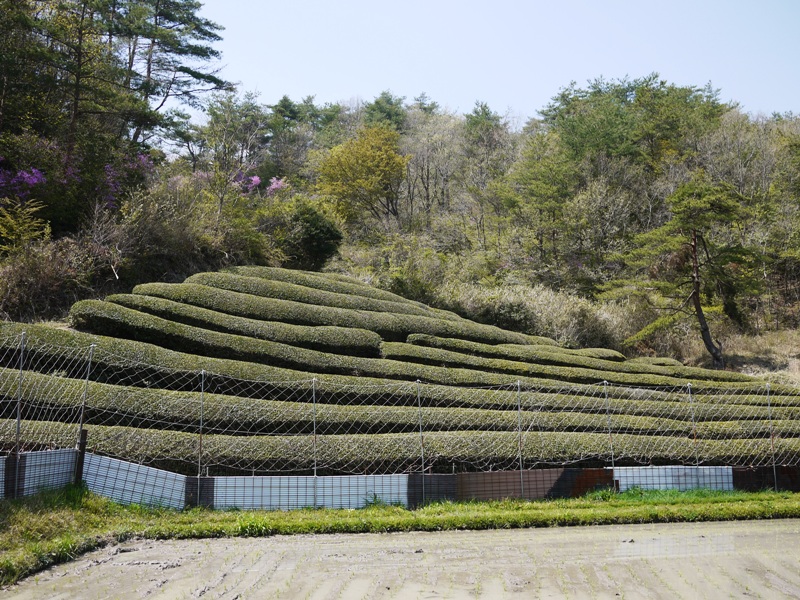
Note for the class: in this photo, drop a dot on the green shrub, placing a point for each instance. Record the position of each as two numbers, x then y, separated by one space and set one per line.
386 452
329 282
105 318
659 361
537 310
281 290
548 355
389 326
571 374
338 340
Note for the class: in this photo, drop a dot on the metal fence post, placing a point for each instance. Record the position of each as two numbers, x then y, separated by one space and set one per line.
82 419
694 435
17 447
18 437
519 442
608 419
314 432
421 438
772 440
200 444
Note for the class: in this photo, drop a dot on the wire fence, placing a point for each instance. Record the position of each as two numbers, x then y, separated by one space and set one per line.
200 422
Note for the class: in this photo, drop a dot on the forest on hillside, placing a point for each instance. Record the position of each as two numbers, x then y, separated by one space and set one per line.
633 214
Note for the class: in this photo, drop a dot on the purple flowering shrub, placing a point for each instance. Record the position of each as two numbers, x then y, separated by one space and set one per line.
18 183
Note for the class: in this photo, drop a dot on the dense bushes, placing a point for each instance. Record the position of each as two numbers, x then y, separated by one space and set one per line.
389 326
338 340
537 310
281 290
588 358
571 374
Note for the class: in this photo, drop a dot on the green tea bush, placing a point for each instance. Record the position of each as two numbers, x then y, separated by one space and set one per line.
281 290
329 282
549 355
572 374
396 327
337 340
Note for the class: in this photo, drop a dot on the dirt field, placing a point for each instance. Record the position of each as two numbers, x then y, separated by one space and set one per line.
706 560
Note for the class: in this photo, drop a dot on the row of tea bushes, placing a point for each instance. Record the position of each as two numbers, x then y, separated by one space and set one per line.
106 318
117 360
281 290
546 355
386 452
435 356
297 408
338 340
389 326
332 282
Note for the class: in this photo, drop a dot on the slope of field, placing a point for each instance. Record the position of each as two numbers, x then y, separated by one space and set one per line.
306 368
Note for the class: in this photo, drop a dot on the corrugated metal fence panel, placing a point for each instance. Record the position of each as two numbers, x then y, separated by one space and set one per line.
287 493
674 478
128 483
48 470
2 476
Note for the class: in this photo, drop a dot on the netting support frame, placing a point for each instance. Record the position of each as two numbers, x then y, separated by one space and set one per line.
200 434
421 439
608 420
519 440
772 439
82 417
314 433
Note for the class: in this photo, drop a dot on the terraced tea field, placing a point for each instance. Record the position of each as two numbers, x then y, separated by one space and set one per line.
268 370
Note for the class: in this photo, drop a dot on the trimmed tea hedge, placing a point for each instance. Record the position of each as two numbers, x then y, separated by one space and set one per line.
389 326
337 340
329 282
385 452
547 356
281 290
125 361
436 356
660 361
157 409
105 318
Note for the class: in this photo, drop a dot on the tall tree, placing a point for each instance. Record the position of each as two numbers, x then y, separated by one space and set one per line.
695 259
365 174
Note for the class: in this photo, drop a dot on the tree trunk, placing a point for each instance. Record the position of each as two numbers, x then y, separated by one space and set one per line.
715 350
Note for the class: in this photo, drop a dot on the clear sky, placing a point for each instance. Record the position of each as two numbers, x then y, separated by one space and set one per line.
512 54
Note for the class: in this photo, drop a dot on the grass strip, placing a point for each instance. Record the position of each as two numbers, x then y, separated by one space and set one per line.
59 526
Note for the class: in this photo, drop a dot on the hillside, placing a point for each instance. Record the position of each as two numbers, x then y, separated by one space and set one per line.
273 370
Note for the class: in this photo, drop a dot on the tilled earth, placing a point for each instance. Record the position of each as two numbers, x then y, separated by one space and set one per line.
753 559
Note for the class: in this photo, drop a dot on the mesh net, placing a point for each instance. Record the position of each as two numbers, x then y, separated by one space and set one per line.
200 422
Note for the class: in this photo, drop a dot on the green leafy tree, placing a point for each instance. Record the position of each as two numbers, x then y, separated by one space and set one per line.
386 110
365 174
695 259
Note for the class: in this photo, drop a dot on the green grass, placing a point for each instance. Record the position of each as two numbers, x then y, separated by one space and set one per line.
58 526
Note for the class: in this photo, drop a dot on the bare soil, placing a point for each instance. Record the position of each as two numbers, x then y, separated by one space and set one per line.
693 560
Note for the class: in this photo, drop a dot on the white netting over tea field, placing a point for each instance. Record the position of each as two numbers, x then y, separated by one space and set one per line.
197 421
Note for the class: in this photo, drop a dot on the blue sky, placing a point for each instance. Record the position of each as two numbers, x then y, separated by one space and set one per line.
514 55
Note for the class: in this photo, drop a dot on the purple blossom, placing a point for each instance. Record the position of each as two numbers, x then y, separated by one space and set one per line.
19 183
276 184
255 181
